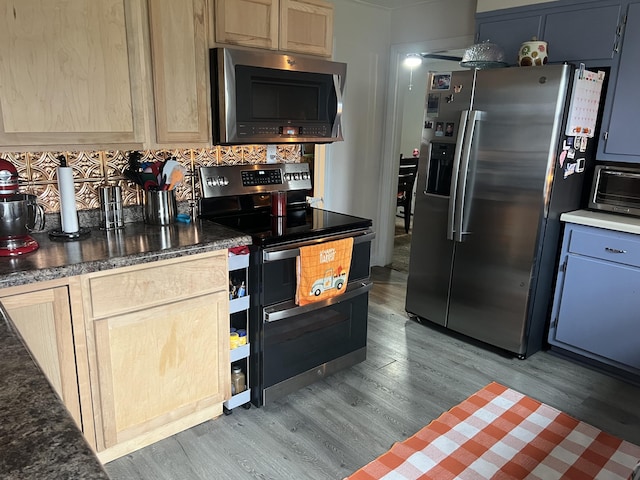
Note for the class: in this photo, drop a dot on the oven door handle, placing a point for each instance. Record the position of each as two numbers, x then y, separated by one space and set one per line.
294 250
288 309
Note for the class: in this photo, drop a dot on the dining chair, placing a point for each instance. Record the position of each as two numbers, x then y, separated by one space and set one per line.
406 179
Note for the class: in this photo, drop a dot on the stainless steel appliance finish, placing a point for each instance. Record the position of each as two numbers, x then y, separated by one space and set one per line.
265 97
486 222
291 346
616 189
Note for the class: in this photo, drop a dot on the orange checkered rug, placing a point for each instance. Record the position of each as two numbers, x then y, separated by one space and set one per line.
502 434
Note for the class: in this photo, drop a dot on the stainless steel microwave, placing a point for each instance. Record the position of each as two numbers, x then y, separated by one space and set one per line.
265 97
616 189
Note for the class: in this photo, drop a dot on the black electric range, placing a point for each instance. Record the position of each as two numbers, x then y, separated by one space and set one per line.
291 345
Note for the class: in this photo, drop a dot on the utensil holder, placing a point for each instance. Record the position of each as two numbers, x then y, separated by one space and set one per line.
160 207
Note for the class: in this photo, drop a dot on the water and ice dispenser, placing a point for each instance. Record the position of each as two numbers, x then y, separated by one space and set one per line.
439 168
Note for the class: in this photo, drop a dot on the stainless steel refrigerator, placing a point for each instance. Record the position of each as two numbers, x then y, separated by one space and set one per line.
496 171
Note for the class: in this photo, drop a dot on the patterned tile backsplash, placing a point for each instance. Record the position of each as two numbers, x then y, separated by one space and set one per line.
37 171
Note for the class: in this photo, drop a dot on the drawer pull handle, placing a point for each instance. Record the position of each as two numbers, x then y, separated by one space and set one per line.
614 250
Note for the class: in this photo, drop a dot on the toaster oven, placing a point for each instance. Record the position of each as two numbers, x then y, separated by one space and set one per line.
616 189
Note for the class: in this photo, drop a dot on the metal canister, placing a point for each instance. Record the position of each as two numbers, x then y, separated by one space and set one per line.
111 217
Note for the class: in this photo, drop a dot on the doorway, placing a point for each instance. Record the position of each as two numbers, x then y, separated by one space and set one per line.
410 100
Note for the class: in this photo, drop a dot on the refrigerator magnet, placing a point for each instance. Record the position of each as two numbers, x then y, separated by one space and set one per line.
441 81
583 144
433 104
580 165
428 124
571 153
571 168
563 156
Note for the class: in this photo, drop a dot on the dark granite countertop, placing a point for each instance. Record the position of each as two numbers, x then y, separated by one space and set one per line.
101 250
38 438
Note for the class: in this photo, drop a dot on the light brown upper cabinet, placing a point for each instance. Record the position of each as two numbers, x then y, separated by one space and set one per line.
251 23
306 26
300 26
179 64
70 73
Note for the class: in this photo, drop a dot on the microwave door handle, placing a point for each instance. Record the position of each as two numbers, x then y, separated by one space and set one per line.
474 116
335 131
453 189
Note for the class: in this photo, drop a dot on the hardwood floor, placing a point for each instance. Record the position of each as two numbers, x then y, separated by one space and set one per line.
412 374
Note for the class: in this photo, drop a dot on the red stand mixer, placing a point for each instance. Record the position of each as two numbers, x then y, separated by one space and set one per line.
18 213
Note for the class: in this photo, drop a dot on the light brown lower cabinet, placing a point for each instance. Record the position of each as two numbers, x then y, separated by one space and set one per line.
42 313
136 353
158 339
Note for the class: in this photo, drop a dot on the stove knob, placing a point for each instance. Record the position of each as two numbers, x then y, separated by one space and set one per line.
210 182
296 176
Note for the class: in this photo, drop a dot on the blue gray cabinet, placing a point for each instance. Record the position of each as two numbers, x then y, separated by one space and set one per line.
587 35
596 308
598 33
509 33
619 138
575 31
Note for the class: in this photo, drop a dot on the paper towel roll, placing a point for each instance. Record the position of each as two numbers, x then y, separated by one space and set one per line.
68 212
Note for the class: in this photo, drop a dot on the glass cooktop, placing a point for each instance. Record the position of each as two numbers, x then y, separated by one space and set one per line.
299 224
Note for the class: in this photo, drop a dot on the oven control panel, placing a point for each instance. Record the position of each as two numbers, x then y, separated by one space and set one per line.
221 181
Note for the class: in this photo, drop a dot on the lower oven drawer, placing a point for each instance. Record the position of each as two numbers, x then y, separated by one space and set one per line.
313 337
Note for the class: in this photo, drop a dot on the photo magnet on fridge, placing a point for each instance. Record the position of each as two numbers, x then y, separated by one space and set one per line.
441 81
433 104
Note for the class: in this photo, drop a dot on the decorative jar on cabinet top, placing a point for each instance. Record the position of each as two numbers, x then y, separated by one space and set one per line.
533 52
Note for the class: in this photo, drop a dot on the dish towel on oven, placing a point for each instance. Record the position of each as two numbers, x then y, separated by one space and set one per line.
323 270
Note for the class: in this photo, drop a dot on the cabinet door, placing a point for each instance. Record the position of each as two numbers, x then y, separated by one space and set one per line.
586 35
598 313
179 64
158 366
68 70
252 23
621 119
509 33
306 26
43 319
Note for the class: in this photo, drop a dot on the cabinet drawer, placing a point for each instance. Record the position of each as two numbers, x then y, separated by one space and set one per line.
139 287
611 246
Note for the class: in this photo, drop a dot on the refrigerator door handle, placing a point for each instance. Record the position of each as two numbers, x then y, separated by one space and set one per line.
455 170
458 226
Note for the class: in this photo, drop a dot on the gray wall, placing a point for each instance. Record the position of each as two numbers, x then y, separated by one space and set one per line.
360 173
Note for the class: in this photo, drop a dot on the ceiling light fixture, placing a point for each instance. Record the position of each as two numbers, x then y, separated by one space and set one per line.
412 61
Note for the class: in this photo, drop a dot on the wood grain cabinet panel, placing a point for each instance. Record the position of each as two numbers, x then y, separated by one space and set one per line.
299 26
69 73
161 365
251 23
43 318
158 343
306 26
143 286
179 54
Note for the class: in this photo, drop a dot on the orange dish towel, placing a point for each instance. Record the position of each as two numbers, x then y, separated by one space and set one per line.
323 270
